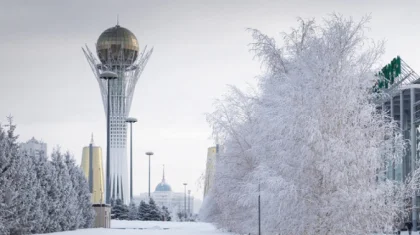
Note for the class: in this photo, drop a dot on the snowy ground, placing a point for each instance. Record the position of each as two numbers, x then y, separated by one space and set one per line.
150 228
155 228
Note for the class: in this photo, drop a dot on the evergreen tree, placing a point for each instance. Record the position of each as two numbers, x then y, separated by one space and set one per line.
59 193
133 211
180 216
37 195
84 201
83 214
166 215
30 207
42 170
144 211
124 214
116 209
73 212
119 211
155 213
16 191
112 202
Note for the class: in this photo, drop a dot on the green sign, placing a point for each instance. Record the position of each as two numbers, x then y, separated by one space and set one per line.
387 75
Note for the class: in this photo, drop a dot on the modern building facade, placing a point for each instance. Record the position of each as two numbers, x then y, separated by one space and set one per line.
34 147
164 196
92 166
210 168
402 103
118 51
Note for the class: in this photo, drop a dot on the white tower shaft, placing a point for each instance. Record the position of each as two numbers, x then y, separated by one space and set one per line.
121 95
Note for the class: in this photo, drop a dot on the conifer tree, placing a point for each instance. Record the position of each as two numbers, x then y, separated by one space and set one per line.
43 171
155 213
37 195
16 178
82 214
166 215
119 211
84 201
73 212
59 193
144 211
133 211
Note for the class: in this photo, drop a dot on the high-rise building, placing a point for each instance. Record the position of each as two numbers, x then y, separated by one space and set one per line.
34 147
118 51
210 168
92 166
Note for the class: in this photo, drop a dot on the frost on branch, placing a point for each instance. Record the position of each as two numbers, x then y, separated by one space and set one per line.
311 137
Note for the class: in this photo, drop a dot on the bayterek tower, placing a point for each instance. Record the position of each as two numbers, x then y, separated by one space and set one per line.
118 51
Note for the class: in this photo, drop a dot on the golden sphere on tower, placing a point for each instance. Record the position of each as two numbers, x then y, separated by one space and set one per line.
117 46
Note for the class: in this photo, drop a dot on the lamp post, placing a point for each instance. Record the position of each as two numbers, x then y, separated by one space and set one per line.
185 200
259 209
131 120
189 203
149 154
91 167
108 76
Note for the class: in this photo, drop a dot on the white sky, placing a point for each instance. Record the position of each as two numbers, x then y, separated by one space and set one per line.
199 47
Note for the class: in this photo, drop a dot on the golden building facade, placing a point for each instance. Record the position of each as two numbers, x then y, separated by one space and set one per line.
96 183
210 168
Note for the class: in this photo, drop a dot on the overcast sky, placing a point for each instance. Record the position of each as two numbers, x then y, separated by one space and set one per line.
199 47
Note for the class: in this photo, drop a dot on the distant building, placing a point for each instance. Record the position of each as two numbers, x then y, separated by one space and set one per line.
163 196
34 147
96 179
210 168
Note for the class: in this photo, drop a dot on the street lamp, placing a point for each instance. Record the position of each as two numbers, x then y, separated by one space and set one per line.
185 200
189 202
259 208
108 75
149 154
131 120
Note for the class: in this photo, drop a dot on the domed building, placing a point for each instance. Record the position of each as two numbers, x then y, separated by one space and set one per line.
163 186
164 196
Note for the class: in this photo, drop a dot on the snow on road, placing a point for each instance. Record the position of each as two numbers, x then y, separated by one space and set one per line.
150 228
119 227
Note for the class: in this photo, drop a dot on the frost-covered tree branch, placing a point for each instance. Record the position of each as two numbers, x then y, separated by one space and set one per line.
311 137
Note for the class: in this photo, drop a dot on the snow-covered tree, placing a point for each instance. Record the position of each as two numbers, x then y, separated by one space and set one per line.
144 211
120 210
235 125
59 194
81 213
133 211
155 213
84 201
166 215
37 195
42 204
311 138
16 192
73 212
